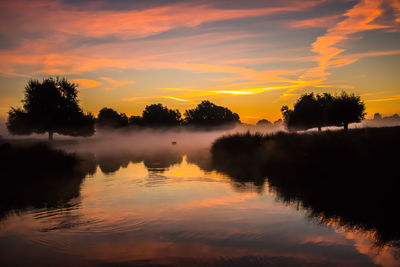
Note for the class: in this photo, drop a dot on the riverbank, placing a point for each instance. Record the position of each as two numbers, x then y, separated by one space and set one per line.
351 177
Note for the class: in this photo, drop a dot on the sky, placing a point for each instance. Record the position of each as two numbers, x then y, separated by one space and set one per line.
251 56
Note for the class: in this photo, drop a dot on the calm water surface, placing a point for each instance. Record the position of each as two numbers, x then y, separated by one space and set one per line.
149 212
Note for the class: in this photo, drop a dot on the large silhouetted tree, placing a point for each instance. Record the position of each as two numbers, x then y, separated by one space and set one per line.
346 109
50 106
307 113
209 114
109 118
320 110
158 115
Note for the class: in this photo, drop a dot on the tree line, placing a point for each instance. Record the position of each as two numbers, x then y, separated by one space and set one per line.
156 115
320 110
52 106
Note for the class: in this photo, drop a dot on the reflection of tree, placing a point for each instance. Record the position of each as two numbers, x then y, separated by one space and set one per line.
352 179
159 161
201 158
39 177
111 163
154 160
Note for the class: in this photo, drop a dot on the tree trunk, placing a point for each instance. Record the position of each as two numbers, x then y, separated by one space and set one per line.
50 136
319 129
345 126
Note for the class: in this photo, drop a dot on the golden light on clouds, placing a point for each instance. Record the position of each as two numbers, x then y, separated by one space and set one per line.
210 51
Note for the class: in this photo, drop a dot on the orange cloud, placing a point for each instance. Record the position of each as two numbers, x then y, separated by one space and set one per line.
359 18
321 22
84 83
114 84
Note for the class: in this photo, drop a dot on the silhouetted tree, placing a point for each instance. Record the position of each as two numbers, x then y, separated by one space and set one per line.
109 118
377 116
209 114
50 106
158 115
263 122
135 120
320 110
346 109
307 113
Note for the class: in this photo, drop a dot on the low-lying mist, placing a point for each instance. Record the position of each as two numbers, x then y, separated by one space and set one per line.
146 140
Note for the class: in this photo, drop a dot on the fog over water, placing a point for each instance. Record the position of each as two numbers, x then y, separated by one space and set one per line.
149 202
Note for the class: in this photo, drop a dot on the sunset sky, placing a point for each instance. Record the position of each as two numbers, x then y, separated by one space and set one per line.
251 56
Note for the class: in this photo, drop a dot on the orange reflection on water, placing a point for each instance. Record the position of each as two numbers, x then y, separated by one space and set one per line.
180 215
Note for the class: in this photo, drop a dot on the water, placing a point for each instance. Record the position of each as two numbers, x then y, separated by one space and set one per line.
163 209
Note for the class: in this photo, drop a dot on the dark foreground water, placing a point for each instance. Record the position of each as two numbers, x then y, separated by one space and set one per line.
166 210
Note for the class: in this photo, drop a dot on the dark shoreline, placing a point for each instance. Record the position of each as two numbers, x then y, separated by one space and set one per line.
350 177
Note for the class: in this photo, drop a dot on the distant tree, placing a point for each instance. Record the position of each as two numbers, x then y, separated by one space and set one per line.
209 114
158 115
346 109
50 106
377 116
263 122
278 121
109 118
320 110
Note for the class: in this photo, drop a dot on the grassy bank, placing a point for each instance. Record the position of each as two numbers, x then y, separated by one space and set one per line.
349 177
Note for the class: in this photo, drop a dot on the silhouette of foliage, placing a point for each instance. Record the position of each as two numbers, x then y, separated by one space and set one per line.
263 122
158 115
50 106
377 116
322 173
320 110
135 121
209 114
109 118
346 109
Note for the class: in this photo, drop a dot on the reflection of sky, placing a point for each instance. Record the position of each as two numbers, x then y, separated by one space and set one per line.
253 56
190 216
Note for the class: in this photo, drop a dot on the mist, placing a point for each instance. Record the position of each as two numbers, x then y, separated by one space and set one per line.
145 140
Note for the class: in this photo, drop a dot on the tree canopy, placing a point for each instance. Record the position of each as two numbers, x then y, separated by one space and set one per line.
109 118
50 106
263 122
318 110
158 115
209 114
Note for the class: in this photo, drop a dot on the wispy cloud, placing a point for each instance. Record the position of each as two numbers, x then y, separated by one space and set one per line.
358 19
85 84
113 84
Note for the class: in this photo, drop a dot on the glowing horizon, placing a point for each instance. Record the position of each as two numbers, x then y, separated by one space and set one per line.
252 57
